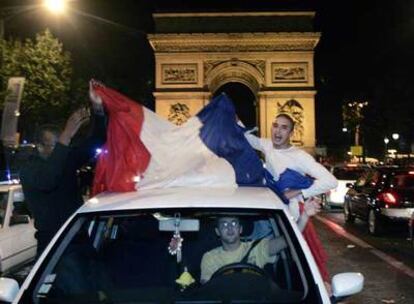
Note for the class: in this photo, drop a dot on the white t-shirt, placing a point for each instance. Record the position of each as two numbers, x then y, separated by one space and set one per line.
278 160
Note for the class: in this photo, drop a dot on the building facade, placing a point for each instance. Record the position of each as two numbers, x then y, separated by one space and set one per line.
271 54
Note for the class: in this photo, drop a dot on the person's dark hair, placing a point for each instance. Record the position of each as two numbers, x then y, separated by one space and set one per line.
288 117
45 128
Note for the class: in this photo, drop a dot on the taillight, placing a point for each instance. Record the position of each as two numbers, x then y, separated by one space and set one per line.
388 198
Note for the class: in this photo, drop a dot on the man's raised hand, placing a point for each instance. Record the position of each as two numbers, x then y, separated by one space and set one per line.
74 122
312 206
96 100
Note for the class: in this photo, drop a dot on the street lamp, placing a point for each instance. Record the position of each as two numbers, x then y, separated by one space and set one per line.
7 13
386 142
55 6
395 136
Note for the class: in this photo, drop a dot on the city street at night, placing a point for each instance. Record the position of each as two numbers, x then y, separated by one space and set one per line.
386 262
166 151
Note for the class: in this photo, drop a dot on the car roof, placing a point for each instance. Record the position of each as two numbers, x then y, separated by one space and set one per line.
352 166
5 186
390 169
183 197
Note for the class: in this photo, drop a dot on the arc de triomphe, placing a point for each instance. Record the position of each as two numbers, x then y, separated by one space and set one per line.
271 53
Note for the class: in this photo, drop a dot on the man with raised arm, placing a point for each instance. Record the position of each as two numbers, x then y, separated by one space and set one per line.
49 179
298 177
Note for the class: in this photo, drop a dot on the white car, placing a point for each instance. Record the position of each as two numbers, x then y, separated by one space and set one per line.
17 241
345 174
146 247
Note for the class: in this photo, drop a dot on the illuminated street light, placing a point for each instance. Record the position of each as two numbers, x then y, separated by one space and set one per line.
386 142
344 130
55 6
7 13
395 136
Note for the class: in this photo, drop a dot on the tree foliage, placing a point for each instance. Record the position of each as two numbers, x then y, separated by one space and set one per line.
352 114
47 69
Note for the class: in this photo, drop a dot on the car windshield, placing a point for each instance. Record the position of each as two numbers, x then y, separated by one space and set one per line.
348 173
155 257
403 181
3 206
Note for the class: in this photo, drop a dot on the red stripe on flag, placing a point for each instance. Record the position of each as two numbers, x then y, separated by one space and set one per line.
124 156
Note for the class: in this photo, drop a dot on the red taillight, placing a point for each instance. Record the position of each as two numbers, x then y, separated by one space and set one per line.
388 198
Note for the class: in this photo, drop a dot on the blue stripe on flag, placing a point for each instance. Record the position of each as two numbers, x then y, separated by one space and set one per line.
225 138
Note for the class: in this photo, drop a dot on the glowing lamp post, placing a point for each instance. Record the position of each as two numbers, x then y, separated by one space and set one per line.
7 13
386 142
55 6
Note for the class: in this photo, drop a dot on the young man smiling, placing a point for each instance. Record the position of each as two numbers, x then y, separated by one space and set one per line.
281 155
284 161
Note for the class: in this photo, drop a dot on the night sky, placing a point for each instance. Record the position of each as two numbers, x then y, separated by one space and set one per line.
365 53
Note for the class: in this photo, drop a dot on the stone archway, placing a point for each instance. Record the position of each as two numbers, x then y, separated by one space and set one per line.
199 53
245 102
220 73
241 81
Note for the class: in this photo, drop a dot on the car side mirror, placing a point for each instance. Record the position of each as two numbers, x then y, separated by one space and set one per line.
19 219
349 185
346 284
8 290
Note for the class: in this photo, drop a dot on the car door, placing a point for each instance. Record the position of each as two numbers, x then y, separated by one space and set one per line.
363 199
17 241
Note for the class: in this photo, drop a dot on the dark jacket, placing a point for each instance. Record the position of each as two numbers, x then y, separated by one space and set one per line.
51 186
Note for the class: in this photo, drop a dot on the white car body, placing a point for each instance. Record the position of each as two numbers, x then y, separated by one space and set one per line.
336 197
17 241
172 199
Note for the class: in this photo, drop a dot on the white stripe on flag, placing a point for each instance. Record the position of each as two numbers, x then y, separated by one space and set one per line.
179 157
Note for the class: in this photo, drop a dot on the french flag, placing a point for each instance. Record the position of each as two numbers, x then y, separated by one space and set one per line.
145 151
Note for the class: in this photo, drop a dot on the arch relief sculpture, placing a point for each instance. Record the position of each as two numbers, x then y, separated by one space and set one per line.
179 113
218 74
294 109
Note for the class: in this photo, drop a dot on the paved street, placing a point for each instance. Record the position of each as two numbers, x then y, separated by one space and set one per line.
386 262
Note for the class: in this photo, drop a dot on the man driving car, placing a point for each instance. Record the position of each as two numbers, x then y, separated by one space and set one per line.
233 250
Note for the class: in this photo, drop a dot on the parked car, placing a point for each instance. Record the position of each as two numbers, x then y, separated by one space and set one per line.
345 174
122 248
381 196
17 241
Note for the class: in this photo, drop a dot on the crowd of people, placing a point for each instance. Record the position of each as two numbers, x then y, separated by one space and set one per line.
50 186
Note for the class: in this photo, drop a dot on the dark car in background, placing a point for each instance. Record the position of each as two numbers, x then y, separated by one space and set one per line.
381 196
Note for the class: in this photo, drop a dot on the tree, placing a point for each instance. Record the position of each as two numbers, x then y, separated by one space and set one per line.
48 88
352 116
